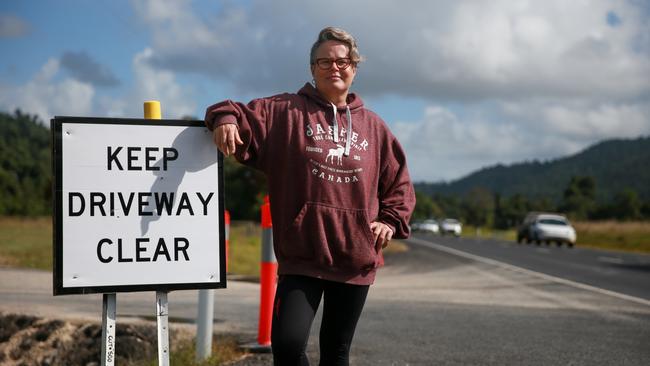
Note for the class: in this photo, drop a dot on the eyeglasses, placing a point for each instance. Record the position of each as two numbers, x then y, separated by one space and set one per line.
326 63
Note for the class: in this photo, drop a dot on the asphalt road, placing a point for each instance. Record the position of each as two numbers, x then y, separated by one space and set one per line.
432 307
624 273
428 307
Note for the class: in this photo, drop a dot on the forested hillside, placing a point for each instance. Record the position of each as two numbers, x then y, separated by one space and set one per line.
614 166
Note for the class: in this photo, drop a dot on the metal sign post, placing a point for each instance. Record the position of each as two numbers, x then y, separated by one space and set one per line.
162 317
108 329
152 111
205 315
204 327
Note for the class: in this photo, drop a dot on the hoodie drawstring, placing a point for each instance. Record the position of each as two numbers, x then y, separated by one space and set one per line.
335 123
346 152
347 142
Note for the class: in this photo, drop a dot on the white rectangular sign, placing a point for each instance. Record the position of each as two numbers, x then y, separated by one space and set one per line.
138 206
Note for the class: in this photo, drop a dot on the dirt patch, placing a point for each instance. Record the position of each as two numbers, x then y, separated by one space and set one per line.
29 340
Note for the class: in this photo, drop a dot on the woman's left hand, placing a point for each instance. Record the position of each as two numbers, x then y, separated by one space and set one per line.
382 234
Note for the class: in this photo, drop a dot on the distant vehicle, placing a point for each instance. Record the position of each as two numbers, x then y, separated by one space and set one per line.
415 225
450 226
430 226
541 227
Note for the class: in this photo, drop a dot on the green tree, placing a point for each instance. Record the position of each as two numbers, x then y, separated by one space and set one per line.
244 190
645 210
425 207
579 199
478 207
541 204
25 168
450 206
510 211
626 205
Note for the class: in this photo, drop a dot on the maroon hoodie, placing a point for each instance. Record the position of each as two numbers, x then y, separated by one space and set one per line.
324 193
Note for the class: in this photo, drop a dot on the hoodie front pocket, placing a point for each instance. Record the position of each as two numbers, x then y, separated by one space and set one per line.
330 236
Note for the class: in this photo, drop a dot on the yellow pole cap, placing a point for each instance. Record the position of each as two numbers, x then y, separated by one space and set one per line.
152 109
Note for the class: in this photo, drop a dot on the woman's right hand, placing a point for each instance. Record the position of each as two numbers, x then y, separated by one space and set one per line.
226 137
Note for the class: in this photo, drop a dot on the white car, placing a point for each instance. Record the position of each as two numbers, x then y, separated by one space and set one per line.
450 226
430 226
547 228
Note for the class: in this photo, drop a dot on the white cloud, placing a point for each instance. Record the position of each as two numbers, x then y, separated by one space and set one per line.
504 81
597 122
581 119
526 79
151 83
443 145
49 93
431 49
46 96
506 49
155 84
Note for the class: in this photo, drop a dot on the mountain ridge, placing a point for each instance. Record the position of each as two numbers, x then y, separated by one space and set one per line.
615 165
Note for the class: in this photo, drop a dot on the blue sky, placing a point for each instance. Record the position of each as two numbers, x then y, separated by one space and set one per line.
463 84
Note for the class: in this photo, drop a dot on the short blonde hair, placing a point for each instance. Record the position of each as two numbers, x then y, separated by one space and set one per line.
336 34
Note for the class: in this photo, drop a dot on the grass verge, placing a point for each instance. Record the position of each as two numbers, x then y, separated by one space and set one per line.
26 242
244 249
473 231
224 350
614 235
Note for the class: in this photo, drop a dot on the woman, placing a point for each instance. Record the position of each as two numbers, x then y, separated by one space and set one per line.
339 191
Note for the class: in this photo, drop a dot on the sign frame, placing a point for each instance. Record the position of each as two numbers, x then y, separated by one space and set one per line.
57 147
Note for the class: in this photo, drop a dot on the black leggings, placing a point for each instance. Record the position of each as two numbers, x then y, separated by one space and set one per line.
296 301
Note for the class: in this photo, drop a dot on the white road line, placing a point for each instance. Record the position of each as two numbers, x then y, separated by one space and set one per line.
528 271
